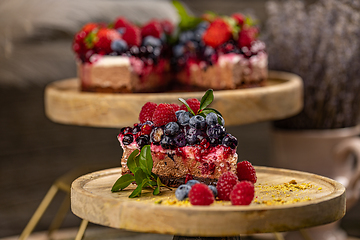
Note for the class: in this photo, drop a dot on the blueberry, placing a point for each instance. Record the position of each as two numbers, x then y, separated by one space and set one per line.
214 190
203 25
186 36
230 141
177 113
211 119
134 50
152 41
143 140
209 51
156 135
136 129
119 46
184 118
178 50
126 130
213 141
192 182
192 136
128 139
171 128
215 131
197 122
180 140
182 192
167 143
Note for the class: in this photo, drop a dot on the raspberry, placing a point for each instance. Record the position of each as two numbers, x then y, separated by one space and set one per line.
242 193
218 33
121 22
225 184
200 194
132 35
247 36
167 26
104 38
152 28
239 18
147 112
163 114
193 103
246 171
175 107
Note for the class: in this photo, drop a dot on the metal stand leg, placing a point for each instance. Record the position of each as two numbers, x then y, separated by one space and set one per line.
60 215
82 229
304 234
278 236
39 212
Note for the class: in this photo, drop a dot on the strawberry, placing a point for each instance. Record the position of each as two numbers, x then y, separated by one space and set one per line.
246 171
147 112
132 35
167 26
218 33
246 36
209 17
152 28
121 22
89 27
103 39
163 114
242 193
79 45
239 18
193 103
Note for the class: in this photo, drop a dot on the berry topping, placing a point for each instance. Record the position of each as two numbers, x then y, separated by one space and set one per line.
217 33
119 46
180 140
192 182
152 28
193 136
175 107
183 117
225 184
239 18
121 22
197 122
216 131
171 129
147 112
143 140
214 190
128 139
200 194
193 103
103 40
132 35
126 130
163 114
230 141
167 143
211 119
146 128
156 135
151 41
242 193
246 171
181 193
247 36
167 26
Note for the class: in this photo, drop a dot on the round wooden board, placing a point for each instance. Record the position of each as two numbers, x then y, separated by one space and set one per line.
312 201
280 98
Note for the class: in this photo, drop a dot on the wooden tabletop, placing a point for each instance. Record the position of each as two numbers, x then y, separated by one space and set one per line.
285 200
281 97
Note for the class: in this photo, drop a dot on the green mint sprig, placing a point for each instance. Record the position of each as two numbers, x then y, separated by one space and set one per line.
140 165
204 110
186 21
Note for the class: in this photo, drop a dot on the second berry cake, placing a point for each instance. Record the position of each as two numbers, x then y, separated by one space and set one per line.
186 142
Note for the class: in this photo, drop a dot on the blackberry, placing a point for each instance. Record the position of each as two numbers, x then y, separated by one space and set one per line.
156 135
230 141
171 128
167 143
128 139
197 122
143 140
211 119
216 131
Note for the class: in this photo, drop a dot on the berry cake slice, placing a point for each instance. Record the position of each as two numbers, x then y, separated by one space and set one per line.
220 52
123 57
186 142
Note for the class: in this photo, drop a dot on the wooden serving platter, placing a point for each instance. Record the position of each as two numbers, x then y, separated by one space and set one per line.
284 200
281 97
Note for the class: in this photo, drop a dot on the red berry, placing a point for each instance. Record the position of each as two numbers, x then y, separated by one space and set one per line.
225 184
167 26
193 103
146 129
132 35
200 194
246 171
163 114
104 38
188 177
247 36
89 27
175 106
239 18
242 193
121 22
218 33
152 28
147 112
209 17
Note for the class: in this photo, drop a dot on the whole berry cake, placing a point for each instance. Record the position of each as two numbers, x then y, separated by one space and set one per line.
187 142
211 51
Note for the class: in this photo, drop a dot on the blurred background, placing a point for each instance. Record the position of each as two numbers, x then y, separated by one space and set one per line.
35 49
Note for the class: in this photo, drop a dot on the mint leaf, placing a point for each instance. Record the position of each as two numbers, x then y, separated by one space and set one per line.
131 163
145 160
140 176
206 99
187 106
186 21
137 191
208 110
156 190
123 182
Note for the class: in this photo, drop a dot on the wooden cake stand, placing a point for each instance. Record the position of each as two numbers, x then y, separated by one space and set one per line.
281 97
284 200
